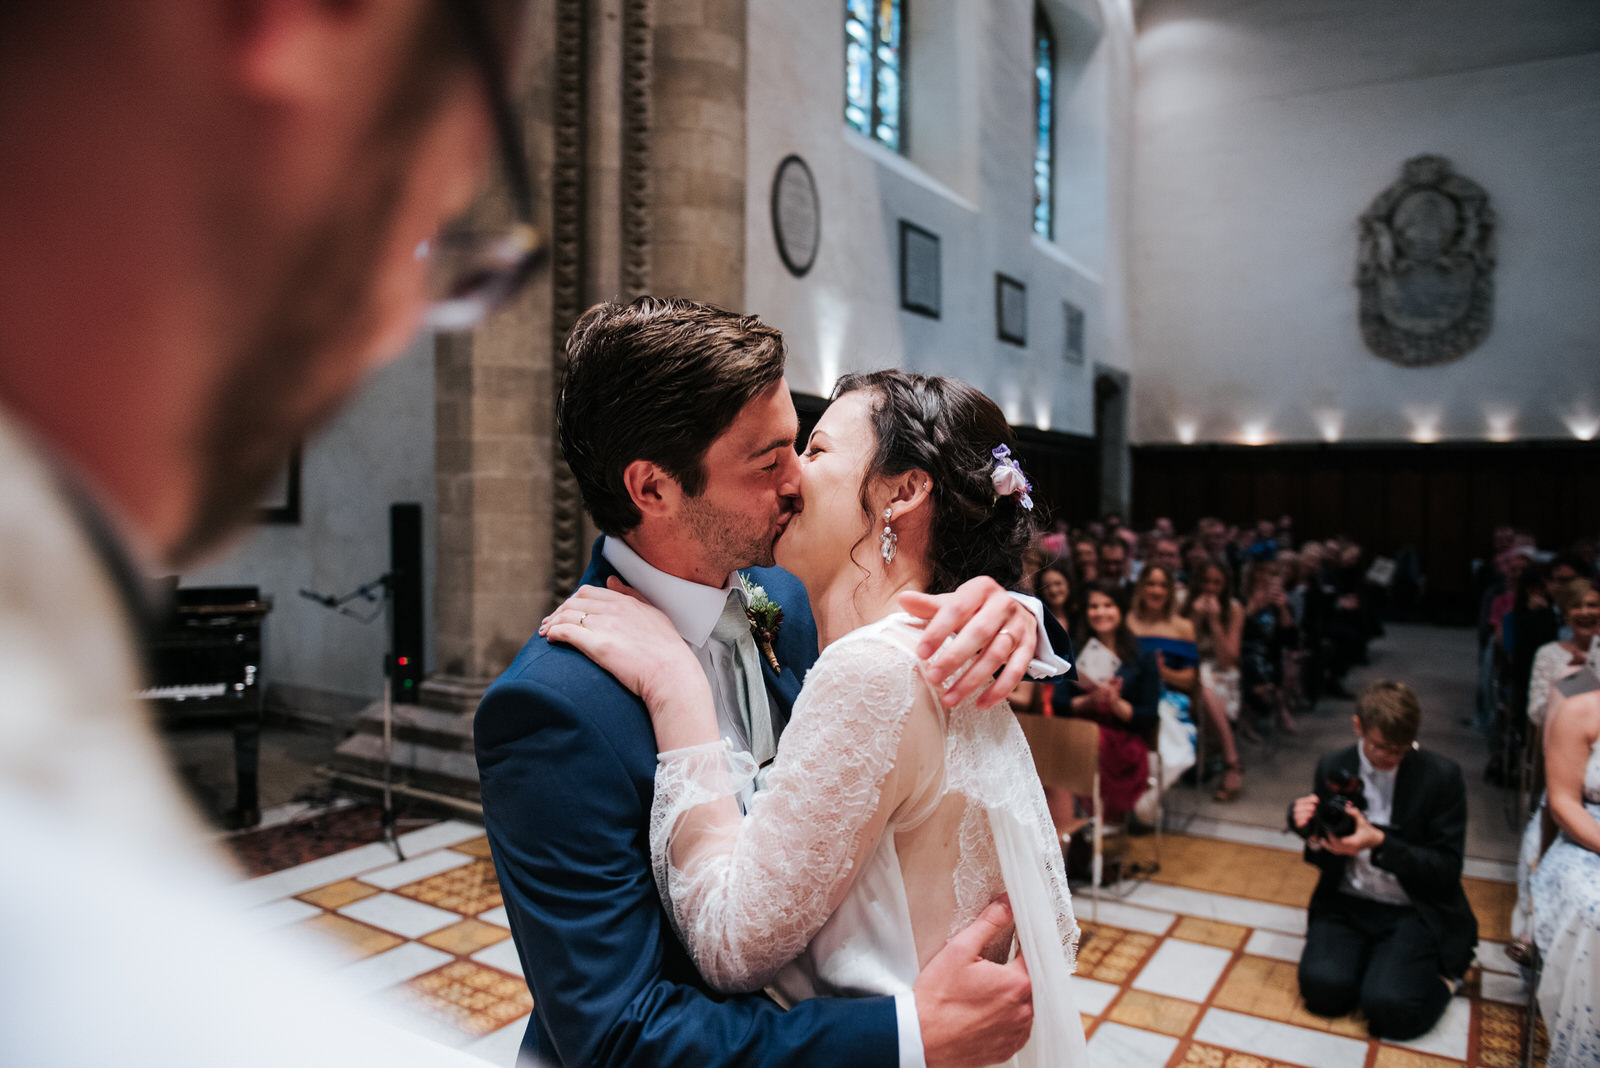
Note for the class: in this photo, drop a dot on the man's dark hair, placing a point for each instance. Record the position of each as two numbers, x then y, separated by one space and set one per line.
950 430
658 379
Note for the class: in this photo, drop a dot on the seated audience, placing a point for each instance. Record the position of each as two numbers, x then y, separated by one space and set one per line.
1389 929
1530 624
1166 552
1154 620
1059 593
1086 559
1566 884
1118 686
1558 659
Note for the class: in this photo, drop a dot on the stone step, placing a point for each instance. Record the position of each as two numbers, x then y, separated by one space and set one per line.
446 730
358 760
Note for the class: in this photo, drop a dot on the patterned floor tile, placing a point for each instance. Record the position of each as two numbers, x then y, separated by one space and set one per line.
1152 1012
468 889
1200 1055
1111 954
356 941
1500 1036
1271 988
466 938
477 847
1259 873
338 895
474 999
1395 1057
1211 932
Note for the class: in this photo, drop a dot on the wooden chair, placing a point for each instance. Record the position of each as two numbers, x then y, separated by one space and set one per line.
1066 753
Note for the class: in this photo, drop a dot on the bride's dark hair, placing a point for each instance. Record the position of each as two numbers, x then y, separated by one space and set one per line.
950 430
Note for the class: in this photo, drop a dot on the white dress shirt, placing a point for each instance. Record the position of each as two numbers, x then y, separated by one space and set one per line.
1362 877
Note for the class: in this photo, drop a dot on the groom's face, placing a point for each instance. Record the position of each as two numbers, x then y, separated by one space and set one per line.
752 485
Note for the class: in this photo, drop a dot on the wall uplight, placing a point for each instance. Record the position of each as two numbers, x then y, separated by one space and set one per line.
1502 424
1424 424
1583 427
1041 413
1187 430
1330 423
1253 433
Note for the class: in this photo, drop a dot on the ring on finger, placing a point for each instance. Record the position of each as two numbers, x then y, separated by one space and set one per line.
581 619
1013 638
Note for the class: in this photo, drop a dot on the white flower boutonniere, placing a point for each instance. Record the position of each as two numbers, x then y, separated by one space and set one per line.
765 618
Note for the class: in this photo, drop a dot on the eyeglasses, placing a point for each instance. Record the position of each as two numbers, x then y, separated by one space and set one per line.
473 272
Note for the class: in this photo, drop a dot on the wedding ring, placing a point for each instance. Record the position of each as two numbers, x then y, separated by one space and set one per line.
581 619
1013 637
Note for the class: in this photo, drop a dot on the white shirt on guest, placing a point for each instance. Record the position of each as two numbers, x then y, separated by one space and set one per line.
1362 877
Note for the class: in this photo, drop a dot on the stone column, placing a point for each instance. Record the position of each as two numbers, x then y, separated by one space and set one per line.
697 150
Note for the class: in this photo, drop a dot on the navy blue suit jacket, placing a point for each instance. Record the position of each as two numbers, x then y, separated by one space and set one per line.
567 762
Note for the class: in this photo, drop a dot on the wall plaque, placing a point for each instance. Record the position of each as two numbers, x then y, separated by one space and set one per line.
1426 266
1010 309
920 268
796 215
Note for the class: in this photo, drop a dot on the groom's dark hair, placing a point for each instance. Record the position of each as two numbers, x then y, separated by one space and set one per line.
658 379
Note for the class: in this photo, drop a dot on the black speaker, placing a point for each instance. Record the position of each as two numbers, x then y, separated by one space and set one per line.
405 577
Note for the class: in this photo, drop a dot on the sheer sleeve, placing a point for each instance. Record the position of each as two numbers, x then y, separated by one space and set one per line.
747 895
1547 667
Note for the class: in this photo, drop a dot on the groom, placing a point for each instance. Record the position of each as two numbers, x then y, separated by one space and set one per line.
677 424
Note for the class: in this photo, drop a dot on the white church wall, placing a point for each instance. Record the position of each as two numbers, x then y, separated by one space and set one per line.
1264 130
377 452
966 176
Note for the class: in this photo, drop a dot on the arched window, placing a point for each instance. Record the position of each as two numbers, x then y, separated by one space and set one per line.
1044 153
873 60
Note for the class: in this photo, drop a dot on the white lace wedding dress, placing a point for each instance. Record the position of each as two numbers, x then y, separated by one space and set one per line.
886 825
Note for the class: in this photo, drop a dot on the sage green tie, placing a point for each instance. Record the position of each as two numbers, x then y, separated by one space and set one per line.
733 630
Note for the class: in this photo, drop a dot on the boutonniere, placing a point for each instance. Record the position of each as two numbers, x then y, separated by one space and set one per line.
765 618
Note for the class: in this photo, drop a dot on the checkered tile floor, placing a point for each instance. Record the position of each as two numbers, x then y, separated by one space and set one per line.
1193 969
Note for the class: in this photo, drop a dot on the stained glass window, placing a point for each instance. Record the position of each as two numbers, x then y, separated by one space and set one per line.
873 61
1044 156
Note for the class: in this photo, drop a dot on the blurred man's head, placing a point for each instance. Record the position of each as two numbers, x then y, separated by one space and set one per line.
1166 554
1387 719
210 220
1113 559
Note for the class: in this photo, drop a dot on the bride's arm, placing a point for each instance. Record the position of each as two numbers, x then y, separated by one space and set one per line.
748 895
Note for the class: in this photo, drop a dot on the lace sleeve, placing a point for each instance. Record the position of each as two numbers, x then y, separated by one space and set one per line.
746 896
1546 670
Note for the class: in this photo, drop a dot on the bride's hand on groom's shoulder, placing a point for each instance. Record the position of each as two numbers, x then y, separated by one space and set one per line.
624 634
991 628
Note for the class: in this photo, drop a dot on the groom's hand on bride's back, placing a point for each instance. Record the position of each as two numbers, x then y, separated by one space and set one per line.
992 629
972 1011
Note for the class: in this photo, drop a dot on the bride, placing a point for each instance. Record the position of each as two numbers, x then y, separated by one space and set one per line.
886 822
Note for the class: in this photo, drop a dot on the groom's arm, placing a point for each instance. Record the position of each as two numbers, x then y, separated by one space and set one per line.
568 827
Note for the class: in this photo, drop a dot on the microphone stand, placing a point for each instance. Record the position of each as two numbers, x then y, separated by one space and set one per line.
379 590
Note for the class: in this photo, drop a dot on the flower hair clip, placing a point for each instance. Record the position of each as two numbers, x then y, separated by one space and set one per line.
1009 481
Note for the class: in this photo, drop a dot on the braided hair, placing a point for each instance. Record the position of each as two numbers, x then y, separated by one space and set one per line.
950 430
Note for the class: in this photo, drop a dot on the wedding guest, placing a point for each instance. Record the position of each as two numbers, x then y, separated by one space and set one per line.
1121 698
1262 640
1033 558
1086 559
1166 553
1531 624
209 217
1218 620
1114 562
1557 659
1153 619
1566 884
1059 593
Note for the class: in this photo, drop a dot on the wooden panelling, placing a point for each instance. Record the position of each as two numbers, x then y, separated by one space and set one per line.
1441 500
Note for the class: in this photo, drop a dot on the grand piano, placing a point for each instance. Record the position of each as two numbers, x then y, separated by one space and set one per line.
206 662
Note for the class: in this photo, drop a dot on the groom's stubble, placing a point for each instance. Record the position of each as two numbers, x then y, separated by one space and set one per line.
731 540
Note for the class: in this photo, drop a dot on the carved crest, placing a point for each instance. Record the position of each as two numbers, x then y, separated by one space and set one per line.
1426 266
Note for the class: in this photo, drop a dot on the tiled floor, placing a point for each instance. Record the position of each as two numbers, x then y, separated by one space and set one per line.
1194 969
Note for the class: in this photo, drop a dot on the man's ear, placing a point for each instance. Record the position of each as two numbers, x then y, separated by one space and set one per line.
315 51
908 492
654 492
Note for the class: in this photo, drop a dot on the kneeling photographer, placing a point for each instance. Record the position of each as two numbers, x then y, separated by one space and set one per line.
1389 929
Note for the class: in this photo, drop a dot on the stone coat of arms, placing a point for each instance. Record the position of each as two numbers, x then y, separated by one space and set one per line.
1426 266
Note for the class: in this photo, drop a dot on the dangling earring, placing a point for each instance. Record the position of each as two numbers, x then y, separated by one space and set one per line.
888 540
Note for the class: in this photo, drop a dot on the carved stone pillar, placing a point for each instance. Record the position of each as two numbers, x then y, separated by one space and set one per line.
697 151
